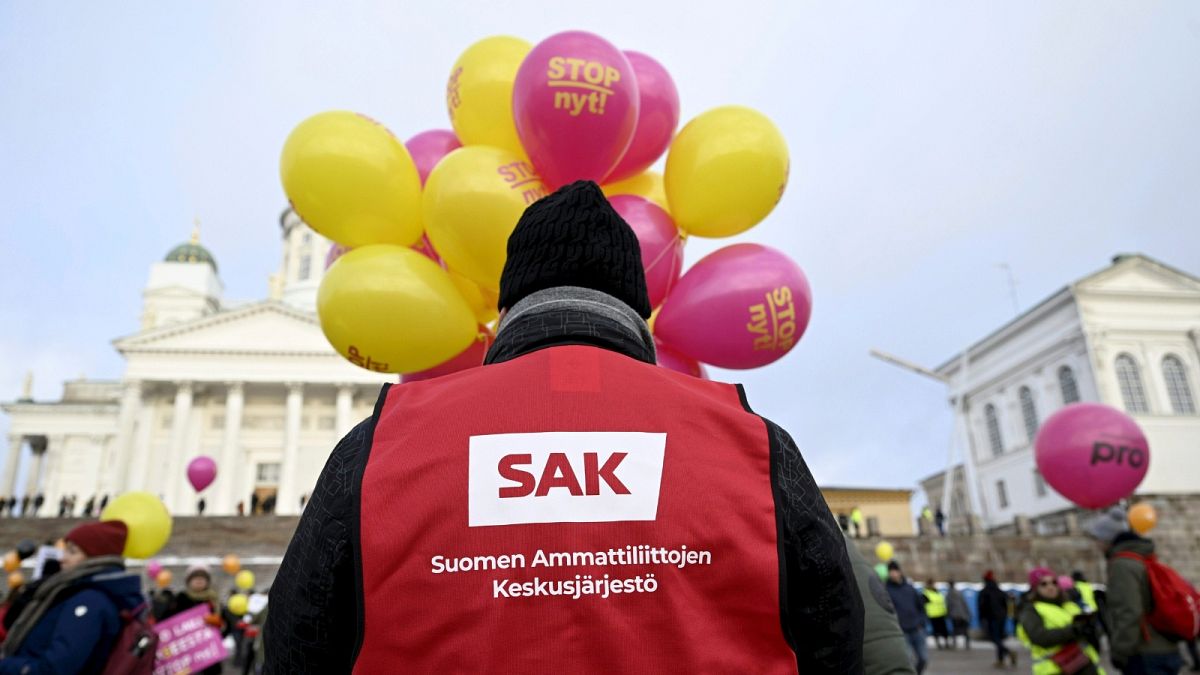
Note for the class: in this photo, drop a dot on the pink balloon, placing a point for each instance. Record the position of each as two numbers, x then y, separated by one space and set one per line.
425 248
1065 582
336 251
470 357
1093 454
672 360
429 147
153 568
575 104
658 115
201 472
662 247
742 306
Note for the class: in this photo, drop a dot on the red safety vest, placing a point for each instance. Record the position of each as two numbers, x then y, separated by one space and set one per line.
572 510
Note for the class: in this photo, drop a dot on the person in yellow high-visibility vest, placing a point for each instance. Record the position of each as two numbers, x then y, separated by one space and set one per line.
1056 630
935 609
859 523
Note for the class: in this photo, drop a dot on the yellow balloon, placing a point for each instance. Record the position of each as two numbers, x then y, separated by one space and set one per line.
163 579
239 604
481 302
472 201
350 179
16 579
392 310
12 561
479 92
148 521
244 580
648 184
726 171
884 551
1142 518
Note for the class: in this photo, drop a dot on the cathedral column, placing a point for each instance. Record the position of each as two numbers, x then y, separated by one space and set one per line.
345 404
10 465
131 404
288 497
228 471
142 469
38 445
172 464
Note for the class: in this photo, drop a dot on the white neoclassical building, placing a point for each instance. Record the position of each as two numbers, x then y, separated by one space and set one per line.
253 385
1128 336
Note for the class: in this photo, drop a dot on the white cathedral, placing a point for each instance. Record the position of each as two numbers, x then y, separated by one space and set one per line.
254 385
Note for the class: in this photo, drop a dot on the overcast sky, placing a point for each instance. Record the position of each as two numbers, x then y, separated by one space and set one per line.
929 142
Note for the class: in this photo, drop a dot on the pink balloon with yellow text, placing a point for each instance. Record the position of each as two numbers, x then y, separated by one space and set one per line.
575 104
429 147
471 357
659 239
658 115
742 306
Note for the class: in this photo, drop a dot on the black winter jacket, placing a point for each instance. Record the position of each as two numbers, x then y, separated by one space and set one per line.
315 622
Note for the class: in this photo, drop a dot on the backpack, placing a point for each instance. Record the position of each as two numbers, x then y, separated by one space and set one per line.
1176 607
136 646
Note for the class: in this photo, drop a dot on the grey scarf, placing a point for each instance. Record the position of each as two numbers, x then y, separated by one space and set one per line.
49 593
571 315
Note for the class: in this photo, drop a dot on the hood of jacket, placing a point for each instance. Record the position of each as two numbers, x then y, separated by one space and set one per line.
1129 542
123 587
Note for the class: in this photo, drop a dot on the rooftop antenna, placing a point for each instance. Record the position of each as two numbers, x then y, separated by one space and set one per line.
1012 286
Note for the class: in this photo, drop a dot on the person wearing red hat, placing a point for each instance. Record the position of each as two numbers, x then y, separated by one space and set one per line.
73 618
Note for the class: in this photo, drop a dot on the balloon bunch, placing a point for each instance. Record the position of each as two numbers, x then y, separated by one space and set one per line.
238 603
421 227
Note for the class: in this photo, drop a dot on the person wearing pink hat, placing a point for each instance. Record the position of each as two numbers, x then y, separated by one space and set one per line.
74 617
198 591
1056 630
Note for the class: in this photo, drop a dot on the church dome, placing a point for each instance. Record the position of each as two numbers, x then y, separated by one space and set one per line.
191 252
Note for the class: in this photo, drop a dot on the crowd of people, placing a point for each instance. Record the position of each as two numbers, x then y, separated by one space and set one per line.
81 600
68 506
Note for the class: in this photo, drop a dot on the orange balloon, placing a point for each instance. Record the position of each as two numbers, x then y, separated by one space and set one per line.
231 564
11 561
163 579
1142 518
15 579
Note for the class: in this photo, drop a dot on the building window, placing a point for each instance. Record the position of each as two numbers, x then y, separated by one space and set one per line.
1066 383
1180 393
267 473
305 266
993 429
1002 494
1039 483
1130 381
1028 413
306 239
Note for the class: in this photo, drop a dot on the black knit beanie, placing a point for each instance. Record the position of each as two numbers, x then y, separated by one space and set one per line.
574 237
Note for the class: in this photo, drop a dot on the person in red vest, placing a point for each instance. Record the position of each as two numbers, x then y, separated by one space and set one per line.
568 507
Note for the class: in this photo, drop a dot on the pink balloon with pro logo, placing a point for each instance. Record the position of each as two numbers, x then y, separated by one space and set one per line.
429 147
742 306
1093 454
658 115
661 244
575 104
672 360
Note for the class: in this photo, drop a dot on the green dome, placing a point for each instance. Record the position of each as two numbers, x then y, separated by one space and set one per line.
191 252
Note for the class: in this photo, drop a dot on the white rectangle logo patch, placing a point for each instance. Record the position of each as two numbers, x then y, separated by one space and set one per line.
564 477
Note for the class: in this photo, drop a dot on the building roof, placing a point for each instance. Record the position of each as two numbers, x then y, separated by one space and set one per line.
843 488
1062 294
191 251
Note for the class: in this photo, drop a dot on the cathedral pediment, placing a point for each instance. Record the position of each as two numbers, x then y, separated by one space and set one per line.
263 327
1138 274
